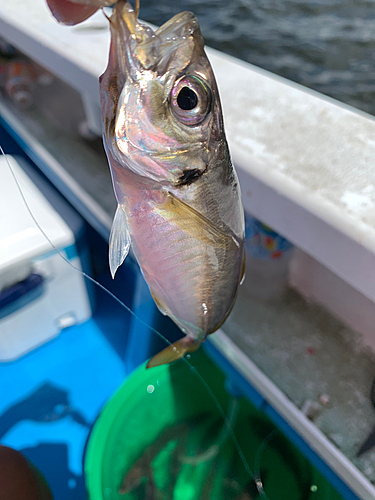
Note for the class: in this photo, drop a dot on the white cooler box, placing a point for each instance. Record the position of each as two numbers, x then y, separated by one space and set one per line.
40 293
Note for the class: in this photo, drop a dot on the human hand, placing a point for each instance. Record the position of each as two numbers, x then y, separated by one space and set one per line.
73 12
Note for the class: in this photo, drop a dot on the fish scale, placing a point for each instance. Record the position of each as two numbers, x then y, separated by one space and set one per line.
163 276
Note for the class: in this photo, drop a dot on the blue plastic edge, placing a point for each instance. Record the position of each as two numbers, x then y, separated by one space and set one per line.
237 380
71 252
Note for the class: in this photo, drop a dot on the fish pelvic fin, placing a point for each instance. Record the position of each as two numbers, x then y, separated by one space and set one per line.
175 351
119 241
243 269
159 304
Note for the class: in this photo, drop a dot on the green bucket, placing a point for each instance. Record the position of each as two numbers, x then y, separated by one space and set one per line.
163 433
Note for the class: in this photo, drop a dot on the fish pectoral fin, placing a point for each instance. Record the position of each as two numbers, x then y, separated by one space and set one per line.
173 352
196 224
119 241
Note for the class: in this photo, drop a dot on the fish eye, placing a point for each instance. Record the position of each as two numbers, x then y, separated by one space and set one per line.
190 100
187 99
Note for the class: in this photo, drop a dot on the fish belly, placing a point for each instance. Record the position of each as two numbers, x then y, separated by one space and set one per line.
193 279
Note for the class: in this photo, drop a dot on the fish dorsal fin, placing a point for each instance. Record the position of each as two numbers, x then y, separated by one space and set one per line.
119 241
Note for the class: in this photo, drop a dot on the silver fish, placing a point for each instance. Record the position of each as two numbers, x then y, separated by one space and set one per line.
179 202
143 468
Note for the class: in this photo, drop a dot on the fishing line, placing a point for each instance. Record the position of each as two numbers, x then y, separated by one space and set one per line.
257 470
213 450
160 335
258 456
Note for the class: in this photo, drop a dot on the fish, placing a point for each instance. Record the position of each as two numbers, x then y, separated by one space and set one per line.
142 470
179 200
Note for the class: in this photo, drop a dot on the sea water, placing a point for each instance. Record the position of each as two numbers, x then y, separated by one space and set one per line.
326 45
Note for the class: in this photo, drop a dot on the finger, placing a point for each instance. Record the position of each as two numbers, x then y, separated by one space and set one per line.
70 13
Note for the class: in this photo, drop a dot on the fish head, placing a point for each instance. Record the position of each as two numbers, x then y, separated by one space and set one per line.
161 110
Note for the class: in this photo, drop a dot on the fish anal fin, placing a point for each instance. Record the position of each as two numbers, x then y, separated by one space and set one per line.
173 352
119 241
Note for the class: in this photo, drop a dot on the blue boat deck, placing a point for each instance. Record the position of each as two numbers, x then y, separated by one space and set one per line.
51 397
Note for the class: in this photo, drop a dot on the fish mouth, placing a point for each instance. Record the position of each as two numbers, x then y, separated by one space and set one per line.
150 48
123 12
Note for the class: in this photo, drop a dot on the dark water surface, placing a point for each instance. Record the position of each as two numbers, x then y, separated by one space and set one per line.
327 45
